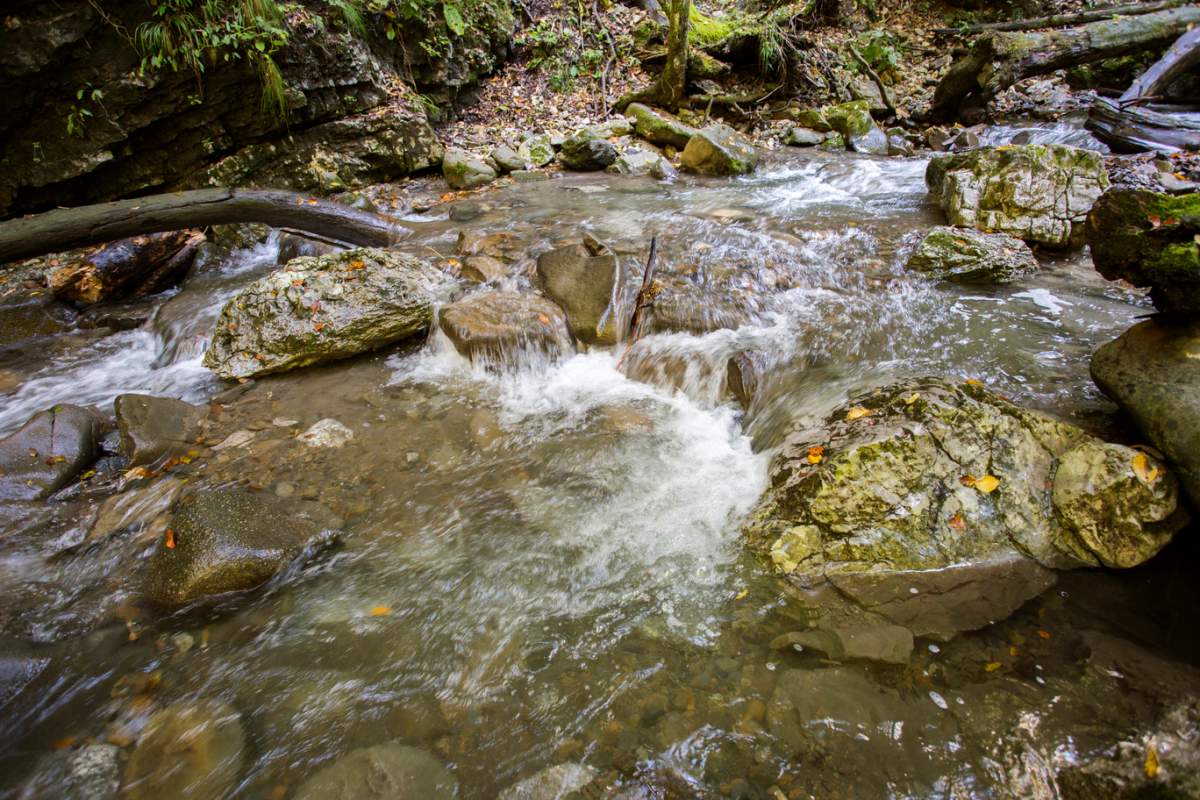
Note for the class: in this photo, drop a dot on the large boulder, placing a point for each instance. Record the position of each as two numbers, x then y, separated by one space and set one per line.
384 772
719 150
51 448
964 255
537 149
854 122
1150 239
659 127
1152 372
501 327
941 506
465 171
228 540
191 751
584 281
587 151
1039 193
638 161
324 308
152 428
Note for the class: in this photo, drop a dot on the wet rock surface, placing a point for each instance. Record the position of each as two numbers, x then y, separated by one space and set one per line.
505 328
227 540
382 772
584 282
561 780
188 750
918 490
51 448
719 150
963 255
1039 193
324 308
153 428
659 127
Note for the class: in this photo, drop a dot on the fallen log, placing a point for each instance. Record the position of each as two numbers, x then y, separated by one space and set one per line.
127 268
1065 20
69 228
999 59
1179 59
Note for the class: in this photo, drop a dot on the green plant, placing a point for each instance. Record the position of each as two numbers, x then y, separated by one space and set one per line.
881 51
78 116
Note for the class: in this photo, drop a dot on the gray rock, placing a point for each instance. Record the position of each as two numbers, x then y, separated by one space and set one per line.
326 433
293 245
1152 373
92 773
552 783
617 126
803 137
227 540
891 644
322 309
584 284
719 150
965 139
465 171
465 211
508 159
537 150
587 151
45 453
505 327
382 772
659 127
964 255
638 161
854 122
154 428
1039 193
940 506
187 750
483 269
899 146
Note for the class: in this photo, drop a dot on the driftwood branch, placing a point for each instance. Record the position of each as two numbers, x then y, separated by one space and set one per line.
68 228
874 76
645 294
1062 20
1179 59
1000 59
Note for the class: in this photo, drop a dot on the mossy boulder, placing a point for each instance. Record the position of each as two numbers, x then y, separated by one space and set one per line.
941 506
587 151
537 149
1153 373
1039 193
964 255
229 540
45 453
854 122
719 150
813 119
463 170
505 327
803 137
659 127
318 309
1150 240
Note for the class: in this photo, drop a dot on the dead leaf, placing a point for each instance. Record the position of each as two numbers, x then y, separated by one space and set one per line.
992 666
958 523
380 611
974 382
912 398
967 480
742 594
1151 763
1142 469
1154 220
1044 634
816 454
170 539
858 412
542 318
987 484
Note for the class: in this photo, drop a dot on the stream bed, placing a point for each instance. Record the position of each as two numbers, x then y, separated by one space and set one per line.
541 564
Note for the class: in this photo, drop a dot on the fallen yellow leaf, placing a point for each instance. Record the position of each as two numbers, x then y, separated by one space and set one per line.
1142 469
912 398
380 611
742 594
992 666
1151 761
815 454
1044 634
858 412
958 523
987 484
974 382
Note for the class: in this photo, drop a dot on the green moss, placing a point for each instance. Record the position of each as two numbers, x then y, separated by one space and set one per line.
706 30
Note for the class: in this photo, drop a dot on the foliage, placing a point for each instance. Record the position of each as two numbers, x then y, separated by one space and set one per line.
882 52
78 116
567 48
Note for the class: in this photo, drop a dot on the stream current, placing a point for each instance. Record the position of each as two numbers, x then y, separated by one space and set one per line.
541 563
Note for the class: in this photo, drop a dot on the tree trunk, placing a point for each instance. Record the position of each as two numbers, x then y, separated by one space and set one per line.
669 89
1000 59
68 228
1062 20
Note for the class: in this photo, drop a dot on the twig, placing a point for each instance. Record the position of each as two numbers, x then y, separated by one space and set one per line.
874 76
645 297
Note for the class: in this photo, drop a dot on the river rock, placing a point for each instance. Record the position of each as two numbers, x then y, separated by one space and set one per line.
552 783
322 309
1039 193
45 453
638 161
142 508
719 150
508 159
1149 239
659 127
462 170
803 137
587 151
20 665
854 122
187 750
92 773
964 255
228 540
383 772
132 267
1152 371
813 119
583 283
483 269
891 644
498 327
537 150
899 146
941 506
154 428
326 433
293 245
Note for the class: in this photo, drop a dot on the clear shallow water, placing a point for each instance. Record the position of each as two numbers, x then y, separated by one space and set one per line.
542 564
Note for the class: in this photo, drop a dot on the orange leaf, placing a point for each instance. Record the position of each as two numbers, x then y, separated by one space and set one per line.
542 318
318 326
1155 220
1044 634
170 539
380 611
816 454
958 523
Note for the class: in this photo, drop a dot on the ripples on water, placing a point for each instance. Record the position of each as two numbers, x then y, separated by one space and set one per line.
556 545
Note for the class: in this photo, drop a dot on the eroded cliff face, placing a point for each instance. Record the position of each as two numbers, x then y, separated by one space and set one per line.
353 116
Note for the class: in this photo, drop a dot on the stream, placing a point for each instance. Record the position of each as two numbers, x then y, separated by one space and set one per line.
541 563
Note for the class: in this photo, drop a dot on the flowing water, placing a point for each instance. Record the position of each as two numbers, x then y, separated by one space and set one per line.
541 563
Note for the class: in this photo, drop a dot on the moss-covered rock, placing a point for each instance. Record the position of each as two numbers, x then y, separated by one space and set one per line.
854 122
1039 193
465 171
719 150
963 498
803 137
537 149
964 255
1149 239
505 327
1153 373
324 308
587 151
228 540
659 127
